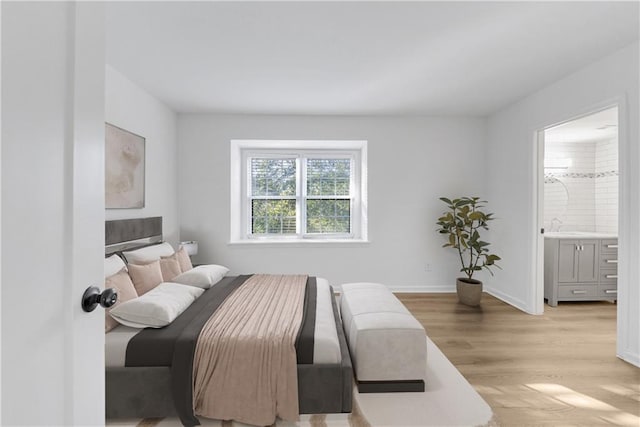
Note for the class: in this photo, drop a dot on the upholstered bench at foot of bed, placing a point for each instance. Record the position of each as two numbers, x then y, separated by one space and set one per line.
388 345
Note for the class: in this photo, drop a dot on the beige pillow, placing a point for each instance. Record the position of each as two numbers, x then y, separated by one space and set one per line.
145 277
184 260
122 283
170 267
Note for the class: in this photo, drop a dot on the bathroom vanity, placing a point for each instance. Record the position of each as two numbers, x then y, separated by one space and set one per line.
580 266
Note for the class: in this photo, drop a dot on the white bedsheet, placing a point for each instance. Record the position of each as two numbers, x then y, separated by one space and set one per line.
326 346
115 345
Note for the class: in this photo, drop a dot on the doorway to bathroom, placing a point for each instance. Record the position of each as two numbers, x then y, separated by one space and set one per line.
580 204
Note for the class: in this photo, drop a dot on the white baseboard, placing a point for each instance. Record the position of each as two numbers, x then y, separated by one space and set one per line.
630 357
419 289
519 304
423 289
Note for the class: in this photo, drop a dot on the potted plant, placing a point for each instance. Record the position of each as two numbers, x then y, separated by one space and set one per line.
461 224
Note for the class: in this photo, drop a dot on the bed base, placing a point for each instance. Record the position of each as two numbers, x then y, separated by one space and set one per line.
145 392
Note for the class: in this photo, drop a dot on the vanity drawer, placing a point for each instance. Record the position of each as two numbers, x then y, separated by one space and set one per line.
576 291
608 276
609 246
608 291
609 260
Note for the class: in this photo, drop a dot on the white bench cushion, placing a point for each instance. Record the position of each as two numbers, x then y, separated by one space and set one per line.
386 342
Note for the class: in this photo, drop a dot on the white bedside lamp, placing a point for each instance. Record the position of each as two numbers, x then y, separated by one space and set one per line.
191 246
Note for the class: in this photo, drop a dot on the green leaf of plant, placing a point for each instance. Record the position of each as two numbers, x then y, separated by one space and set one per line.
475 216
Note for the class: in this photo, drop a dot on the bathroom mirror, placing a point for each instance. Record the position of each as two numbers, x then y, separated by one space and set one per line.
556 201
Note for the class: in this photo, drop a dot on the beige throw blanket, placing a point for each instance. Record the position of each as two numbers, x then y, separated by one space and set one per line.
245 362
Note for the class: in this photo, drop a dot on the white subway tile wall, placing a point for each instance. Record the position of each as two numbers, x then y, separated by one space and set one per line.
607 186
584 196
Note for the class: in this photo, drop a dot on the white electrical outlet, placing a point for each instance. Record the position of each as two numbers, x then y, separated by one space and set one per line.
427 267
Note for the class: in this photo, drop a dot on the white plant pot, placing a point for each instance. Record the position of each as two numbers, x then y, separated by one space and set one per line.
469 291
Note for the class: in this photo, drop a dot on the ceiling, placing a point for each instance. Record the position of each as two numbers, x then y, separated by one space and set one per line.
594 127
358 58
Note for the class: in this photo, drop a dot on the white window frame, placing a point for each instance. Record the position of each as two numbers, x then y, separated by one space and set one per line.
240 212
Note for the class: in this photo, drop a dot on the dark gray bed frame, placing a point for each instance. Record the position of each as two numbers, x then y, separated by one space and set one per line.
145 392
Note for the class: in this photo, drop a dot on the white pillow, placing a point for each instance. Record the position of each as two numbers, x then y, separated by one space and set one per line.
158 307
113 265
202 276
148 254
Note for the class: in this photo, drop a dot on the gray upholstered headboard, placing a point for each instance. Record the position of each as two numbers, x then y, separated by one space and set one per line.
124 234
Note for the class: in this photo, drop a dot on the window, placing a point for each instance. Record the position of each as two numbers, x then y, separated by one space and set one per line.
298 190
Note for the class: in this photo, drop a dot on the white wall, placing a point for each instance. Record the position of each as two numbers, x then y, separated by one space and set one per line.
131 108
412 162
511 154
607 186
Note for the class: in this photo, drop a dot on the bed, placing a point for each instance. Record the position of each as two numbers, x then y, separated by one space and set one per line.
139 388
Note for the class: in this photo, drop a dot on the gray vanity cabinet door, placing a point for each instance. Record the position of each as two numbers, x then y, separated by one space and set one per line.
567 261
588 261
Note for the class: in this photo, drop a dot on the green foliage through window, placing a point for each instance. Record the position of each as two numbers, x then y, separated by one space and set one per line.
328 177
276 195
273 216
328 216
273 177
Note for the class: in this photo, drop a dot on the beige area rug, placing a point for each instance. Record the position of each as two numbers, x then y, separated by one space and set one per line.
449 400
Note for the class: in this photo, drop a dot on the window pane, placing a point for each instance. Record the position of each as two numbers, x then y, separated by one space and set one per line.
328 177
273 216
329 216
273 177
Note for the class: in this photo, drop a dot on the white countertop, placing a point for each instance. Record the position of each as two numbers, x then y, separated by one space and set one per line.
578 235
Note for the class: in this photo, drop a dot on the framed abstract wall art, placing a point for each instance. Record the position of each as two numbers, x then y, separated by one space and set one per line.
124 169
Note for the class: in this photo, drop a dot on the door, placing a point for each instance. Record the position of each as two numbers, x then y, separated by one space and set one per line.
52 212
567 261
588 261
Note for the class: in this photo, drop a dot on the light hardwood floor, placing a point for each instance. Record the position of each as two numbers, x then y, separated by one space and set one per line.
558 369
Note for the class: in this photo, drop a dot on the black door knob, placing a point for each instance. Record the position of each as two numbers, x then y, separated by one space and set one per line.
92 297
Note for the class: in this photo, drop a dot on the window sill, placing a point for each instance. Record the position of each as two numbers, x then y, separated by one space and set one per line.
300 243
